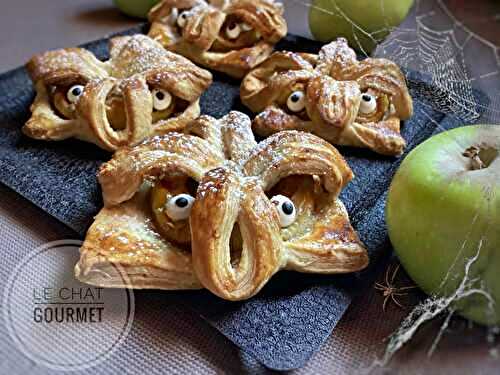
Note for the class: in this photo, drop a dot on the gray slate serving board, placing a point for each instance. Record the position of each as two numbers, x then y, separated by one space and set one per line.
295 313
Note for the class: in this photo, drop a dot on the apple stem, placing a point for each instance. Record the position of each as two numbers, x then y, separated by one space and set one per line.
480 156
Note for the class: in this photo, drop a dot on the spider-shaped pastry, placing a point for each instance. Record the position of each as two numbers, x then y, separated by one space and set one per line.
212 208
141 91
333 95
229 36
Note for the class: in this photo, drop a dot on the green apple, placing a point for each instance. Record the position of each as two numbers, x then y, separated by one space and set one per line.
443 209
135 8
354 19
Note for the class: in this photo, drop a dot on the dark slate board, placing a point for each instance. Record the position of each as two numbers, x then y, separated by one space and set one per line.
295 313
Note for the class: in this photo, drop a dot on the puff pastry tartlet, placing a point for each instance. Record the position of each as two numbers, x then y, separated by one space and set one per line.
141 91
213 208
333 95
229 36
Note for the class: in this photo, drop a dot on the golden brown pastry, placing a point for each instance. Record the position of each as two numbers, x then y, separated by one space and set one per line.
333 95
141 91
213 208
230 36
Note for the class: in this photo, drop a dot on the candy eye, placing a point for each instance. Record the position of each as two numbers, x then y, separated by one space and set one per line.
245 26
172 17
286 210
179 207
296 101
161 99
182 18
74 93
368 104
233 30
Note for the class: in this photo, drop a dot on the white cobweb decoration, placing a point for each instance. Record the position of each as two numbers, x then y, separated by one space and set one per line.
446 55
444 50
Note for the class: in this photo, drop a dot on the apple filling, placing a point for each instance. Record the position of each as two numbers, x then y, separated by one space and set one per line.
235 246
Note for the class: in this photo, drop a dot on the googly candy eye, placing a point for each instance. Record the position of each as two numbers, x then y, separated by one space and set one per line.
296 101
182 19
74 93
368 103
233 30
161 99
286 210
179 207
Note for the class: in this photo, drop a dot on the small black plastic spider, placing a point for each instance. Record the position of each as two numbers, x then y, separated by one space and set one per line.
389 290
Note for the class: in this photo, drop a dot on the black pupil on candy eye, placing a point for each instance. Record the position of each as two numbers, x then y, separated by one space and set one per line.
366 97
181 202
295 98
287 208
160 95
76 91
231 26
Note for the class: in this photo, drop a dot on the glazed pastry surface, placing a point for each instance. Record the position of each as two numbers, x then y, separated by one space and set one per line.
141 91
333 95
211 207
230 36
